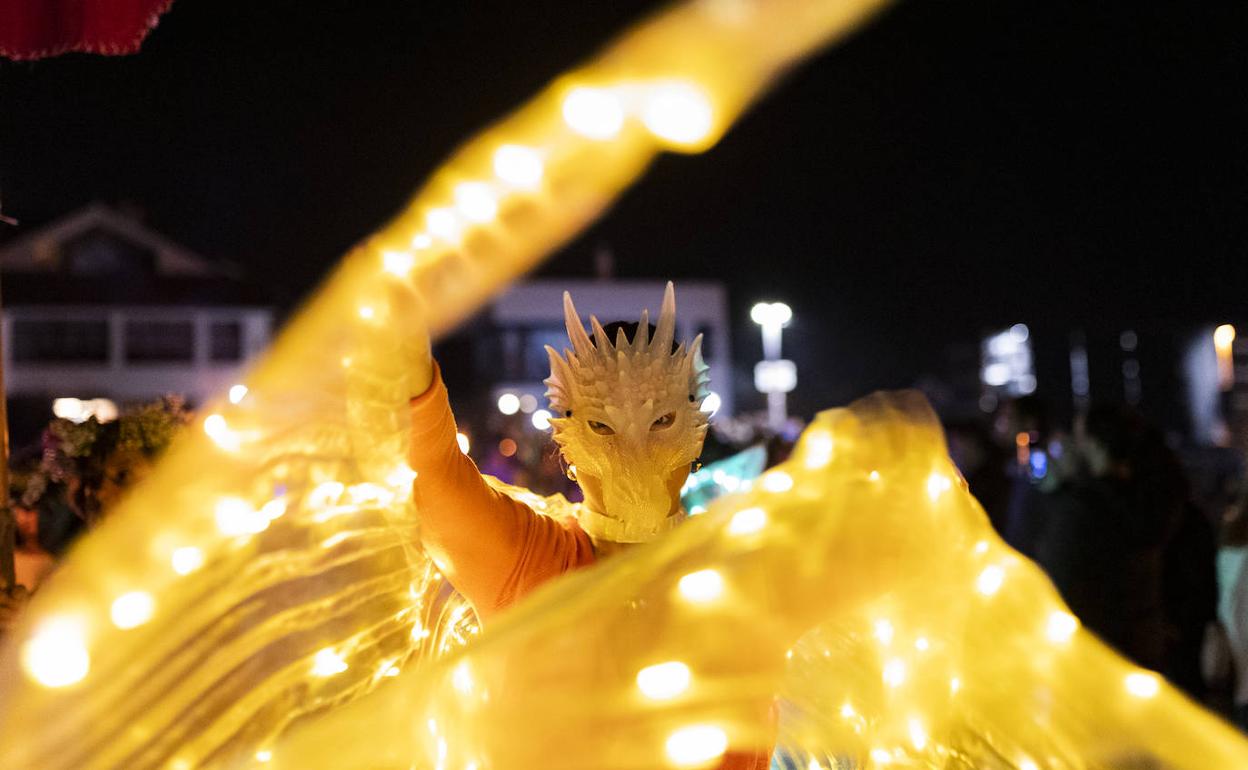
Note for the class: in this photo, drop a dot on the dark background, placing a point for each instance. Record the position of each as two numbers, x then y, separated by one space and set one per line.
953 167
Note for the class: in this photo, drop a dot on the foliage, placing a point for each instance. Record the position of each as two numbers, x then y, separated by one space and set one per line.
94 461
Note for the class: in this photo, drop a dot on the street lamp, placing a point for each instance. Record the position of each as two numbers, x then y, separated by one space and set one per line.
773 375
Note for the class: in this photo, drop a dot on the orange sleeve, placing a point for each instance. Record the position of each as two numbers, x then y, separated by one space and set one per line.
491 547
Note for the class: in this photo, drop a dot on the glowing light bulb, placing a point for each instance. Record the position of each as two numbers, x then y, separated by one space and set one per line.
921 644
981 546
186 559
219 431
955 684
1027 764
894 672
326 662
56 654
702 586
237 393
420 632
873 476
369 493
367 312
937 485
593 113
678 113
1061 626
398 263
818 449
1143 684
518 166
273 509
747 521
696 745
442 223
541 419
132 609
421 241
884 631
881 756
990 580
235 516
777 481
461 678
475 201
464 443
918 735
264 755
509 403
814 765
664 680
847 710
325 494
401 477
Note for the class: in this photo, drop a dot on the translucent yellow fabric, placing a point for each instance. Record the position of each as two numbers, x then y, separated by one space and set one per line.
262 599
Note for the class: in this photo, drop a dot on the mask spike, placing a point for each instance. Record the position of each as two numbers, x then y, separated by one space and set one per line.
576 331
621 340
600 336
560 380
666 329
642 338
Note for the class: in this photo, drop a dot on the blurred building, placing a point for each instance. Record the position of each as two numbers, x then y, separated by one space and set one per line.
99 307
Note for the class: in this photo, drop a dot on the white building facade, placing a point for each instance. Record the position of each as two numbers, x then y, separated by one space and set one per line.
98 306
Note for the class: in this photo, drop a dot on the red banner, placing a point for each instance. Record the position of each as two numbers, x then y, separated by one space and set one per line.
34 29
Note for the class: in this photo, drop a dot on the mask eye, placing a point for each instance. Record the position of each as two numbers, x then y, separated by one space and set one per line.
664 422
601 428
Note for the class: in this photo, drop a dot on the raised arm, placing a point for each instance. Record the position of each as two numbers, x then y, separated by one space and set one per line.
474 533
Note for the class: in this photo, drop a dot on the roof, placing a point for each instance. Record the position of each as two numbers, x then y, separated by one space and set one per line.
38 252
146 268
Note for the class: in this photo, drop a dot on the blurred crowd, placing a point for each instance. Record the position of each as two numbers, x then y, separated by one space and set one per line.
1147 550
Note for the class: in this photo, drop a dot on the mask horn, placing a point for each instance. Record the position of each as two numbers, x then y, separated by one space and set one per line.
600 336
576 332
666 329
642 338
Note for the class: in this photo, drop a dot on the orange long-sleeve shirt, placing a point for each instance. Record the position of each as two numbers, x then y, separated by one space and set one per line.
492 548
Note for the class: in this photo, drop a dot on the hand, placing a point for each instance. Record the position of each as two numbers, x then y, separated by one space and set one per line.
409 316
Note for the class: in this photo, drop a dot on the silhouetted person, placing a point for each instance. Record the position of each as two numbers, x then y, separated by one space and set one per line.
1023 422
1106 526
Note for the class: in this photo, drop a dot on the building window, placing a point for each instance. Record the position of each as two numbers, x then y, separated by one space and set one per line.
60 341
159 341
535 364
226 341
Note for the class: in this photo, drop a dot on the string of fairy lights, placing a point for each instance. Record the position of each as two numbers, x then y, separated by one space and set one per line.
505 198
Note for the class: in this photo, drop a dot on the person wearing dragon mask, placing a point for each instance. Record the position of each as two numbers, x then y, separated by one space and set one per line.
628 424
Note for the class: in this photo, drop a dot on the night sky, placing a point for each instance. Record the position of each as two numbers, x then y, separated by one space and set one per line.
953 167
